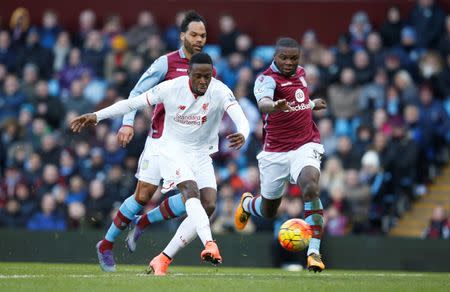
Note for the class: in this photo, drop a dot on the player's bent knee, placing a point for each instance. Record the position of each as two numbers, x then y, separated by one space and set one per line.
189 189
144 192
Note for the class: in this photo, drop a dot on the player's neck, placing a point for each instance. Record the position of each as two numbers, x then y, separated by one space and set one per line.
186 53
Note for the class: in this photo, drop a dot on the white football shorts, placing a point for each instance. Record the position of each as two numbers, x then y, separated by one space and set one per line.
276 168
177 167
148 169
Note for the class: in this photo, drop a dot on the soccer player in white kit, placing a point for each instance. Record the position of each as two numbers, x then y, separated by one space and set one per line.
194 106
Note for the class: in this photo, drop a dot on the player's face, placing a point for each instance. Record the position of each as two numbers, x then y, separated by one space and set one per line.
194 38
200 76
287 60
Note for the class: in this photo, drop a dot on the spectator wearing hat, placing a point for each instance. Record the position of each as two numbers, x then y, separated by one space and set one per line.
373 175
119 57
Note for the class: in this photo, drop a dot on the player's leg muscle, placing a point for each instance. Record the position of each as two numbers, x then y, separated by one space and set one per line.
189 189
208 197
144 192
270 207
308 181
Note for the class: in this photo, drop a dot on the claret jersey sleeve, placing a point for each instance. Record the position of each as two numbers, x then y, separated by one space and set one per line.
264 86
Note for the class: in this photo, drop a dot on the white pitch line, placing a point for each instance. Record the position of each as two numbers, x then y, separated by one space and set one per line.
20 276
290 275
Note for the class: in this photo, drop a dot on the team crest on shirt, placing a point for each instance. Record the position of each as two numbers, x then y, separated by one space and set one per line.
181 107
205 106
299 95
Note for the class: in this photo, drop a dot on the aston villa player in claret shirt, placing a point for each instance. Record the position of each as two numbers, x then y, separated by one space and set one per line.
292 150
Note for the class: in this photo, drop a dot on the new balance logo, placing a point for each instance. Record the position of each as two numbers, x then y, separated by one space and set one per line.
182 107
286 84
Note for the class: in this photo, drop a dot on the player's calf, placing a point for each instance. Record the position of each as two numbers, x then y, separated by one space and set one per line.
171 207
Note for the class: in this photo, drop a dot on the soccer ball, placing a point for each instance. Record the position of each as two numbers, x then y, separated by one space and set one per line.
295 234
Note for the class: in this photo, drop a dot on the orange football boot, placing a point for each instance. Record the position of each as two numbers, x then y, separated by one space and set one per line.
211 253
315 263
159 265
240 216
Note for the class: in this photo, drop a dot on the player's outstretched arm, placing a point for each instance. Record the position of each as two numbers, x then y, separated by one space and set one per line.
319 104
117 109
237 140
77 124
267 105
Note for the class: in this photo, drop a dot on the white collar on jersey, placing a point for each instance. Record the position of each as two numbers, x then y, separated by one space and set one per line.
181 52
274 67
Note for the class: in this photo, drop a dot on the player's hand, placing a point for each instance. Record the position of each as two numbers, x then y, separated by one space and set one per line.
319 104
236 140
282 105
83 121
124 135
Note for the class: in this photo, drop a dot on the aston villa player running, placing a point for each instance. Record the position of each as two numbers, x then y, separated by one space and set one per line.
292 149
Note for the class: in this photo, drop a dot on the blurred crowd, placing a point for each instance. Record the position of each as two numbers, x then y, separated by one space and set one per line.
385 132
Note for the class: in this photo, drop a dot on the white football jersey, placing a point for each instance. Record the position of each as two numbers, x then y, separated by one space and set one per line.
191 122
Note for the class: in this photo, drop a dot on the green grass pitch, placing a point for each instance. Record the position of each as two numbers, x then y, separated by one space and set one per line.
87 277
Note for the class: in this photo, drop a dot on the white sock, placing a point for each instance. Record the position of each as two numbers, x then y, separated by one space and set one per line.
185 234
199 219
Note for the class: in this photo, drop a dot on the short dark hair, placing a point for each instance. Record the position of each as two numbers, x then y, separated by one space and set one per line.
200 58
191 16
286 43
